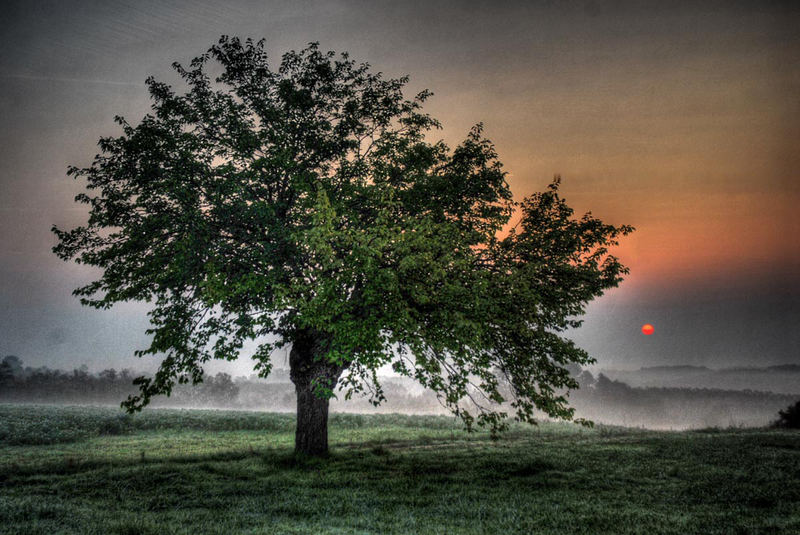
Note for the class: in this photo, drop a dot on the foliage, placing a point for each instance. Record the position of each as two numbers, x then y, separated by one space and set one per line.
789 418
10 367
304 205
398 475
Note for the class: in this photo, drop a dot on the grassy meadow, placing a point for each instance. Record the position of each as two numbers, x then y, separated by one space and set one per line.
95 470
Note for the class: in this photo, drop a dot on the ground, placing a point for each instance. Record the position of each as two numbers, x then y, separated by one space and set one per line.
92 470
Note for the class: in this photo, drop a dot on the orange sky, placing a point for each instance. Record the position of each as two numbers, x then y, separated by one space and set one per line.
697 150
680 118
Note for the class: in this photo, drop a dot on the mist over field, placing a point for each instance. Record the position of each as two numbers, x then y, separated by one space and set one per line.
784 379
668 397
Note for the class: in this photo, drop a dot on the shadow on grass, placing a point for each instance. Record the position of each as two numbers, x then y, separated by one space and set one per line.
74 462
437 460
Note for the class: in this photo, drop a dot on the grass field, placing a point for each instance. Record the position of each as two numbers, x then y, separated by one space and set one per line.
92 470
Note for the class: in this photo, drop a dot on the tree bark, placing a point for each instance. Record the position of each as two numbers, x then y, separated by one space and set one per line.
310 373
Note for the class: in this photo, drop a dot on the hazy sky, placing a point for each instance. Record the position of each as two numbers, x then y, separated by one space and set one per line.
680 118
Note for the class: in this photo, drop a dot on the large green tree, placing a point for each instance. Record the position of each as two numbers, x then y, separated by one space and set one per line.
304 206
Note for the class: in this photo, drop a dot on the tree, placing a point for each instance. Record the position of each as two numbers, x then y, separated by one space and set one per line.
10 368
14 363
6 375
789 418
303 206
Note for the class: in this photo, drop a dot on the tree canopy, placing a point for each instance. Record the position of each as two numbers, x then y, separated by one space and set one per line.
305 206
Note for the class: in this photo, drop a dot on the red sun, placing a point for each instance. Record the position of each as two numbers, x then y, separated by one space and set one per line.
648 329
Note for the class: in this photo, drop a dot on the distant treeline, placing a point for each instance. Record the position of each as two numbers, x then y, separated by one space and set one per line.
600 399
20 384
792 368
781 379
617 403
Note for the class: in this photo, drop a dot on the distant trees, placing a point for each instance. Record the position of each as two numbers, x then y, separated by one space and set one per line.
44 385
9 369
601 399
6 375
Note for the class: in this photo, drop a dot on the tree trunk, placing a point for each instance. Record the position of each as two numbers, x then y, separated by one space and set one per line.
311 377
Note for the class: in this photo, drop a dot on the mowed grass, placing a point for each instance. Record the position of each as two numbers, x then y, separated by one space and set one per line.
93 470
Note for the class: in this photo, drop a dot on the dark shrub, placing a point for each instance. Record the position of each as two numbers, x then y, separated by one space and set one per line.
789 418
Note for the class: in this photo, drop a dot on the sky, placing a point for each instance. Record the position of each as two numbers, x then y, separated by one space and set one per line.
680 118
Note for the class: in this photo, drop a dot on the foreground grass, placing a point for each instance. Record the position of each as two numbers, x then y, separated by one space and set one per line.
90 470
